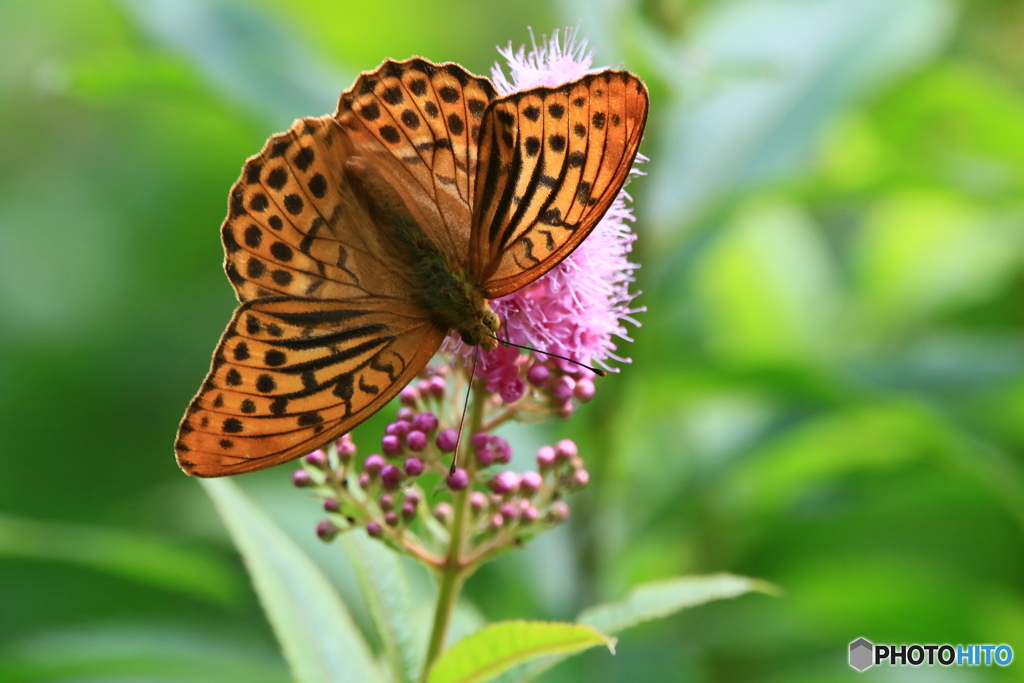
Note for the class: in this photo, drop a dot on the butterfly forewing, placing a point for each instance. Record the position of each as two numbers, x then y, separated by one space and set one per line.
291 373
417 122
297 228
552 162
281 234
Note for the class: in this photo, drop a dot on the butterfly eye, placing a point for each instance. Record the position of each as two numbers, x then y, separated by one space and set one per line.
491 321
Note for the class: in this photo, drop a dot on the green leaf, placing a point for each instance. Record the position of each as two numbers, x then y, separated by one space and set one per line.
384 587
659 599
316 632
647 602
501 646
138 651
140 557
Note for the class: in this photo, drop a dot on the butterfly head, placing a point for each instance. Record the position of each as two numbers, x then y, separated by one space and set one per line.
481 333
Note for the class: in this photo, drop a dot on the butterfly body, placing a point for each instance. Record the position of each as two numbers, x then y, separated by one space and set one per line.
357 242
444 286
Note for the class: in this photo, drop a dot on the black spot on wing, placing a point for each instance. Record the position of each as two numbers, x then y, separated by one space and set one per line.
449 94
277 178
318 186
253 236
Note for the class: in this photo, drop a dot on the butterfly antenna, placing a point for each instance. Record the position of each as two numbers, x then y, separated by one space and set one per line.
465 406
597 371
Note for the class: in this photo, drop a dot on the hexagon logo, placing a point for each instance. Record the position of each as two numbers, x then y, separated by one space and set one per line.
861 654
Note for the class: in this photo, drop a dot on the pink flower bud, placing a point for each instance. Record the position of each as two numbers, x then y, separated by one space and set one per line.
437 386
406 414
566 449
502 450
480 440
485 457
399 428
585 390
425 422
409 396
458 480
447 440
580 478
504 483
546 457
332 505
317 459
411 497
391 518
326 530
538 375
390 477
563 388
443 512
413 467
408 511
374 530
416 441
386 502
302 479
509 512
364 480
478 501
391 445
512 390
496 521
560 511
530 483
528 514
373 464
346 449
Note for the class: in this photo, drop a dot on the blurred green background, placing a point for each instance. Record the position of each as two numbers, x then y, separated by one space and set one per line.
827 391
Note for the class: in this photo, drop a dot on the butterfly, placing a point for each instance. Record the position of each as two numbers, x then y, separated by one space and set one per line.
357 241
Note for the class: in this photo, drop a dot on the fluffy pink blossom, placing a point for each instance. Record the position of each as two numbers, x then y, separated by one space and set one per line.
580 307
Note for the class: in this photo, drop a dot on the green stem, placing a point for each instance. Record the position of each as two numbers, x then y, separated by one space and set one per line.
453 571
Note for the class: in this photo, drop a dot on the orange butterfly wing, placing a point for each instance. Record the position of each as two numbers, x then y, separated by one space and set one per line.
292 372
554 159
338 328
417 123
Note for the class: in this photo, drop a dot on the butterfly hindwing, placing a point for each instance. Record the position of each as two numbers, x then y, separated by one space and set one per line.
291 373
553 160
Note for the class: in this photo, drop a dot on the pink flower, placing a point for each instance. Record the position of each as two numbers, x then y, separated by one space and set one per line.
579 307
552 63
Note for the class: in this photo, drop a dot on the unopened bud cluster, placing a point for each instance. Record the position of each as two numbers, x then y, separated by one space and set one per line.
406 495
561 385
530 383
